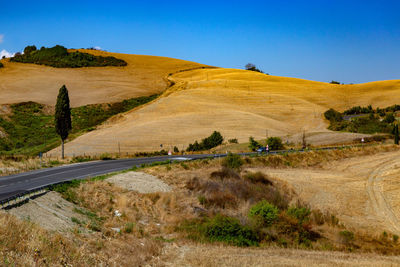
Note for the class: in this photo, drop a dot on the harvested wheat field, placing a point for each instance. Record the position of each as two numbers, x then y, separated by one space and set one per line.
363 191
237 103
143 76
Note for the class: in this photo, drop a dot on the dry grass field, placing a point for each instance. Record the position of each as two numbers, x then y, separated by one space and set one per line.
237 103
143 76
356 185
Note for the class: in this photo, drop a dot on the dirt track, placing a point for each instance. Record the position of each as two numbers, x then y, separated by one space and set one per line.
364 192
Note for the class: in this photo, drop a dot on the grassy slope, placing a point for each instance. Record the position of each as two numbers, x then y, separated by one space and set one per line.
143 76
239 104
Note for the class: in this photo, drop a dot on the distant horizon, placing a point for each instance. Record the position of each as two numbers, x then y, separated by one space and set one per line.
336 40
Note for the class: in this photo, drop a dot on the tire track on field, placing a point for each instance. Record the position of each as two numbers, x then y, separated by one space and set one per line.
375 193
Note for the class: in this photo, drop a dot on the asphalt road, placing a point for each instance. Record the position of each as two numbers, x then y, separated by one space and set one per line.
19 184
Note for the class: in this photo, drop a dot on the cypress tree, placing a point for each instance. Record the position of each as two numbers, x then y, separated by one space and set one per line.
396 134
63 116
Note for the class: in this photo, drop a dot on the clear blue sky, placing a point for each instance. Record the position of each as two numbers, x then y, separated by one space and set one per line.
348 41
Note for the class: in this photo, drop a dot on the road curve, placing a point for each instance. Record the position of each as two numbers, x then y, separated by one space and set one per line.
18 184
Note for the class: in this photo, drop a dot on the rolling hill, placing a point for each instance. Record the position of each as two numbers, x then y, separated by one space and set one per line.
143 76
239 104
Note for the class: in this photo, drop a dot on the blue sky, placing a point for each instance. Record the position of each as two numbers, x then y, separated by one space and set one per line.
348 41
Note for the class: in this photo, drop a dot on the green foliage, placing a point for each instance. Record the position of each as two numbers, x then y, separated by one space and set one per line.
368 124
275 143
389 118
334 82
233 141
252 67
232 161
395 238
229 230
333 115
396 134
215 139
29 49
62 115
359 110
59 57
265 211
176 150
31 130
27 127
300 213
253 144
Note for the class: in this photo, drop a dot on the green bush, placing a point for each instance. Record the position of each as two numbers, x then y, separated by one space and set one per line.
300 213
253 144
389 118
215 139
233 141
59 57
275 143
31 130
333 115
232 161
265 211
229 230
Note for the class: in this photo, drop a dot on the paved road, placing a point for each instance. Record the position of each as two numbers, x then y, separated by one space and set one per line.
19 184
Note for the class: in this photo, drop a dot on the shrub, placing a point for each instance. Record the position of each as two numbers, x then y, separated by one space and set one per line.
229 230
253 144
333 115
233 141
215 139
258 177
300 213
1 65
252 67
275 143
265 211
389 118
334 82
395 238
176 150
232 161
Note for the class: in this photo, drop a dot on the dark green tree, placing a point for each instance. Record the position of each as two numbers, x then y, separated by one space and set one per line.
275 143
63 116
253 144
396 134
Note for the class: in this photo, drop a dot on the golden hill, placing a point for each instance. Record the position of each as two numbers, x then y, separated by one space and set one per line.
237 103
143 76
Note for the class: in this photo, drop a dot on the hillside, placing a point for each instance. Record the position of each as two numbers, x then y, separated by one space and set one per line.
237 103
143 76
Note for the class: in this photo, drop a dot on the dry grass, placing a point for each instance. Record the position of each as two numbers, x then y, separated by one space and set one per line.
239 104
25 244
143 76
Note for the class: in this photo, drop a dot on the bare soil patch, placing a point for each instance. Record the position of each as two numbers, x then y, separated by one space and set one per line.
51 212
140 182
